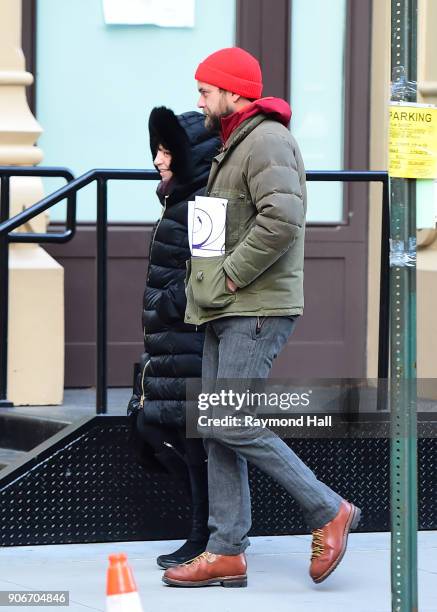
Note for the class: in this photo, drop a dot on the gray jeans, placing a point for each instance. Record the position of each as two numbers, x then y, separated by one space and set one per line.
243 348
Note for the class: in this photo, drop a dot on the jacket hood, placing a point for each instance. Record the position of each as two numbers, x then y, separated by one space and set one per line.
275 108
191 145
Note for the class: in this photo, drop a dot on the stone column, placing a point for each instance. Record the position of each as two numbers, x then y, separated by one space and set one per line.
36 280
426 239
380 95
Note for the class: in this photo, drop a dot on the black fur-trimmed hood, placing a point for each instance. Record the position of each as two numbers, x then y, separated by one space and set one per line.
192 146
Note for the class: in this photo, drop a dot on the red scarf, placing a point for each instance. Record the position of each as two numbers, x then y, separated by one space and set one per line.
275 108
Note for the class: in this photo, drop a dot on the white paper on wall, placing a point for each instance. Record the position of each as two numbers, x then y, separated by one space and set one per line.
207 226
164 13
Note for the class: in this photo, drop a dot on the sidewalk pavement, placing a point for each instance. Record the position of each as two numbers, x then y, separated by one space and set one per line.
278 578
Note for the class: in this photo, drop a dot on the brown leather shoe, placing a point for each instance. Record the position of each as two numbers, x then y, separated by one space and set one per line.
330 541
208 568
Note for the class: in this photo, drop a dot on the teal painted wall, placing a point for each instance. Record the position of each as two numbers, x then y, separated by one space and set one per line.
317 97
96 85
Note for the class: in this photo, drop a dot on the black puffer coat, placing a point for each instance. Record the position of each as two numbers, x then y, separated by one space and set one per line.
173 349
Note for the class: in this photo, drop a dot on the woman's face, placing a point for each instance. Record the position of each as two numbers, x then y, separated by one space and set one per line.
162 161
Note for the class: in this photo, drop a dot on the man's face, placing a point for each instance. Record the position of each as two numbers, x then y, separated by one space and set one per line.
214 103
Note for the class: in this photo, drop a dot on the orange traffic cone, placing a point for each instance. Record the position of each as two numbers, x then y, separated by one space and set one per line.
121 590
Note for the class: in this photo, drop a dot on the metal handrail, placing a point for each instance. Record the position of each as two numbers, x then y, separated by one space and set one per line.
102 176
370 176
6 172
8 225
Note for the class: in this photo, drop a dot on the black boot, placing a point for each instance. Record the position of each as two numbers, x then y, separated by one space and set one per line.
198 538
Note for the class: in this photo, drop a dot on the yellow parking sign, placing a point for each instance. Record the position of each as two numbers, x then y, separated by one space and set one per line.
412 141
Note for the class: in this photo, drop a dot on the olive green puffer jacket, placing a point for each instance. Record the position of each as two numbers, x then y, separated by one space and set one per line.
261 174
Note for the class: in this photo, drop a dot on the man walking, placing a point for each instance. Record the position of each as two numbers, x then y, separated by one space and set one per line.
250 298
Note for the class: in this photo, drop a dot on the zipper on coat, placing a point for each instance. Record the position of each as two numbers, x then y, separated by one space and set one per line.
154 233
159 222
180 455
143 395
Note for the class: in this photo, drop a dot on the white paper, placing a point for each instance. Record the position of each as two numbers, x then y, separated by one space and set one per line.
190 223
164 13
207 226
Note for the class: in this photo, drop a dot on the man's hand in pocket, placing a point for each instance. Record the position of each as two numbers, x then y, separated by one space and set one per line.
232 287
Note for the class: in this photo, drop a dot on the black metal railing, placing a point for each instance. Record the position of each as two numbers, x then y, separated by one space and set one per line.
372 176
68 191
5 239
102 176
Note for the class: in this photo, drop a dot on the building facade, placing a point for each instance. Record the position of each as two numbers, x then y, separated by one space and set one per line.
95 84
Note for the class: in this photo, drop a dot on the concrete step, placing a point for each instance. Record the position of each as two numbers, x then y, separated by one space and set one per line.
9 456
22 432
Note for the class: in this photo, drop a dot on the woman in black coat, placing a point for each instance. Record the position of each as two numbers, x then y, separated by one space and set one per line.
182 149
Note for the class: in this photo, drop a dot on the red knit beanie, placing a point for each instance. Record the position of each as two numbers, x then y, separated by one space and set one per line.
233 69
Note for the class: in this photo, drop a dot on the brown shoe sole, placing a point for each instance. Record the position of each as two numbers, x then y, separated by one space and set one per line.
352 523
225 581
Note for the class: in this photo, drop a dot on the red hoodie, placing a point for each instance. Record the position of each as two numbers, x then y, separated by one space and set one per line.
275 108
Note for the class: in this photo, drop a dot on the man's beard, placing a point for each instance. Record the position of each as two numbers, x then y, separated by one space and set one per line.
213 122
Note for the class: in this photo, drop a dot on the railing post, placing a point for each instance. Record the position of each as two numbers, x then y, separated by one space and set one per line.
4 294
384 298
384 301
102 292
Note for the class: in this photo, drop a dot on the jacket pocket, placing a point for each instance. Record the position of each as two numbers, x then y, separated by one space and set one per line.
239 212
208 282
